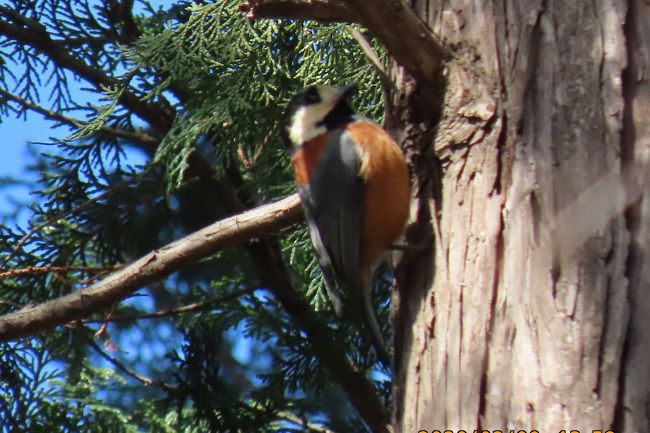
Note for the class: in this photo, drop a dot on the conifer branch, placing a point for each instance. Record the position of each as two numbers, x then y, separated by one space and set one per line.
254 223
394 22
152 267
288 416
6 262
185 309
146 140
31 33
147 381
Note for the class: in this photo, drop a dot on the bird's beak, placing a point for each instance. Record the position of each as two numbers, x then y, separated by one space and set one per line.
347 91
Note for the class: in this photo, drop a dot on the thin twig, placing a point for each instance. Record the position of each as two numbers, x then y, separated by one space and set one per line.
185 309
53 219
388 87
288 416
56 269
140 137
127 371
374 60
247 162
30 32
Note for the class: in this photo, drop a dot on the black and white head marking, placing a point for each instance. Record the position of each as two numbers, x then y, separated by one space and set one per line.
313 111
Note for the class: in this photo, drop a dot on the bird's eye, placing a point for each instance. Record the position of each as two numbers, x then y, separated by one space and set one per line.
312 96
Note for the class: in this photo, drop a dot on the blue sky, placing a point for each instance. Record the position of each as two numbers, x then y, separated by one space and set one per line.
16 133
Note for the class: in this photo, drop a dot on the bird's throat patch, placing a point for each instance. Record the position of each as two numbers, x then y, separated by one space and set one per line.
305 158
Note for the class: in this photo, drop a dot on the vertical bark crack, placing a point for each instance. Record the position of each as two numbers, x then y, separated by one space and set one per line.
633 213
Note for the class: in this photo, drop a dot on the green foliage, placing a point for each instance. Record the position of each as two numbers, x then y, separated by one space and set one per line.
34 398
176 82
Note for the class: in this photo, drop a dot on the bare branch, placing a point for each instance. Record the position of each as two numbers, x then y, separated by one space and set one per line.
394 22
55 269
152 267
388 86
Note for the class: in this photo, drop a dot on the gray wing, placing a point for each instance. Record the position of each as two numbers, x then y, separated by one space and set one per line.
334 204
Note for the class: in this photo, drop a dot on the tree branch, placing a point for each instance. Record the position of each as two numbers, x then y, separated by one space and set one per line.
147 381
321 10
55 269
121 17
394 22
149 142
288 416
185 309
152 267
32 33
387 84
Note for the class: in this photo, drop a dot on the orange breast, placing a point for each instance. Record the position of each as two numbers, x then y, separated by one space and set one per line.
305 159
387 193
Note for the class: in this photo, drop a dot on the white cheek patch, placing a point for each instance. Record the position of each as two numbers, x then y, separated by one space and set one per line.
328 93
304 123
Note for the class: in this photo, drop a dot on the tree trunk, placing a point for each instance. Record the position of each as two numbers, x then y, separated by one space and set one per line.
512 328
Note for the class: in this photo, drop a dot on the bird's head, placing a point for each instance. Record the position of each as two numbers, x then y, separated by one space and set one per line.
313 111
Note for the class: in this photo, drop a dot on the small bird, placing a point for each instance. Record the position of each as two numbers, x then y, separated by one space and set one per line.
355 190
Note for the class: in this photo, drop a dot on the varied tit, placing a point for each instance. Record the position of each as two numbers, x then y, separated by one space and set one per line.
355 190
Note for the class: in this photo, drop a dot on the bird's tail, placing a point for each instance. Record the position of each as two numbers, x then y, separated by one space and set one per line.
373 328
333 290
368 322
